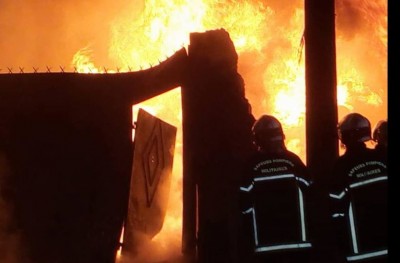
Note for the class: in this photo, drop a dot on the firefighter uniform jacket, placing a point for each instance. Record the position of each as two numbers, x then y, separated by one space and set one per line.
381 151
358 195
273 203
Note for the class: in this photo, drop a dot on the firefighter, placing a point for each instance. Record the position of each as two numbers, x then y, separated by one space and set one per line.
273 195
379 136
358 194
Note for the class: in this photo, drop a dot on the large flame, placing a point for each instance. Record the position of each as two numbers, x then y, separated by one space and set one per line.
269 43
267 36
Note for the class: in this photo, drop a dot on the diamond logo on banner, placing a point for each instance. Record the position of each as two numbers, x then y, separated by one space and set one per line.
153 162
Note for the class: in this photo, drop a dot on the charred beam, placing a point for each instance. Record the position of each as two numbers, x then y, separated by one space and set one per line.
216 139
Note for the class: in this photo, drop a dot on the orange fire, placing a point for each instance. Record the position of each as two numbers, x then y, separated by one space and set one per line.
130 35
268 40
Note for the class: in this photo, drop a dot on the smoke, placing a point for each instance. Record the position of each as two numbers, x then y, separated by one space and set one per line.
360 17
166 245
48 33
11 248
361 44
155 252
361 49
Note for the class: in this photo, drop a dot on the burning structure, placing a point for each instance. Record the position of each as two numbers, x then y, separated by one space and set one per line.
260 64
68 149
66 140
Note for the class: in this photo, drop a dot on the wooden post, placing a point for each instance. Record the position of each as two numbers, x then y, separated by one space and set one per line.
216 141
321 112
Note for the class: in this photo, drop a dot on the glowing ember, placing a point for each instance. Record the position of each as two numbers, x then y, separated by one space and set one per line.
121 241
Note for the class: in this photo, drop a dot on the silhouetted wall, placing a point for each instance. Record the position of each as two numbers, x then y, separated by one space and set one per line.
66 139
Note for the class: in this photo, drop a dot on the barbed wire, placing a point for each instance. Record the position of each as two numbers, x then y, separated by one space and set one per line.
63 69
95 70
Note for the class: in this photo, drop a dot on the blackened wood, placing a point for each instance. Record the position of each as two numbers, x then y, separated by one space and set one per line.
217 124
66 139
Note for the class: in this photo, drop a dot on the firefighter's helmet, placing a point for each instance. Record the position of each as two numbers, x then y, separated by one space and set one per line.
267 128
379 134
354 127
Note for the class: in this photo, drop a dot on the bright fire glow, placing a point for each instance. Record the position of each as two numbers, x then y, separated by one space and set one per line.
269 45
121 241
267 36
83 61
